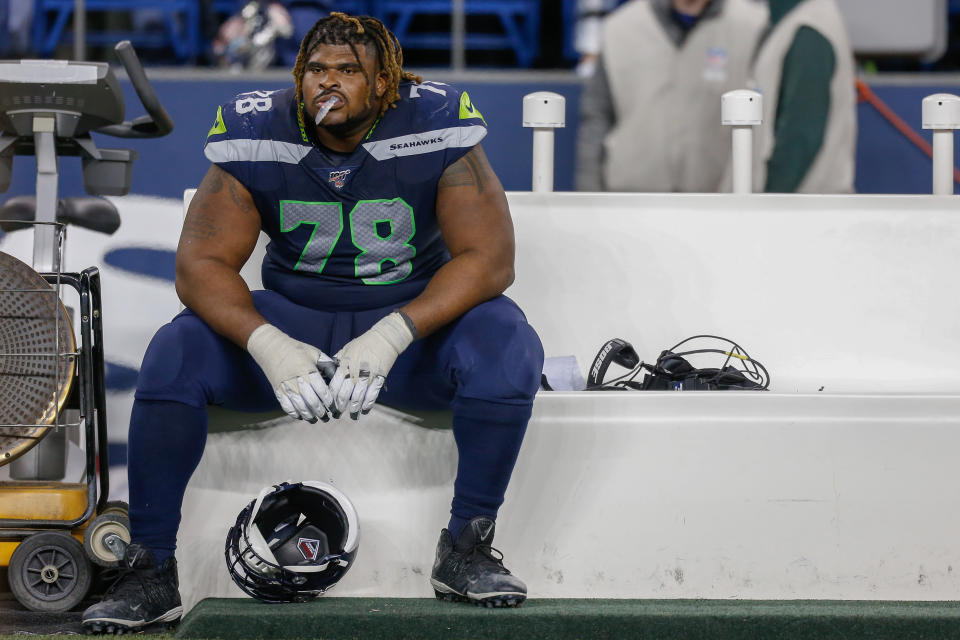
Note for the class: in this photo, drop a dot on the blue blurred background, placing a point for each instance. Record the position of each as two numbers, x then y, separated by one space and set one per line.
511 47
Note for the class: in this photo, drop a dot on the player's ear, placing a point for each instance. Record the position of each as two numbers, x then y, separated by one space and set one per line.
381 83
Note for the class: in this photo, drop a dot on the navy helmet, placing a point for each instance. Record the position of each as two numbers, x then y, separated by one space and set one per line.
293 542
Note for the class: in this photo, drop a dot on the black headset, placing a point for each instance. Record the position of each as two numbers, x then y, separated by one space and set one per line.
616 350
672 371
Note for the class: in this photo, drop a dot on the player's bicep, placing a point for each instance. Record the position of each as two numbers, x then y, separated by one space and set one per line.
472 208
222 222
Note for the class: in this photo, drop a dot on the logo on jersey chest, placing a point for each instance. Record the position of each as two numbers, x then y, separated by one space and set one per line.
338 177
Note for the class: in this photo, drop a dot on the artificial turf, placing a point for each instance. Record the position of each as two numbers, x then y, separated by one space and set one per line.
581 619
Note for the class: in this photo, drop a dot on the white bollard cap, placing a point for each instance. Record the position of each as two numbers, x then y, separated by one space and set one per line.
544 109
741 108
941 111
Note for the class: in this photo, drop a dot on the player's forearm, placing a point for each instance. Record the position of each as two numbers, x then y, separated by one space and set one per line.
464 282
217 293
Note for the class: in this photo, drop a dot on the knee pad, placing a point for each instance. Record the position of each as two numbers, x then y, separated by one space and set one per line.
522 360
499 355
173 362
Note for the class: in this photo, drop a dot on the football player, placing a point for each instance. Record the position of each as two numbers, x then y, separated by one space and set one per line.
391 246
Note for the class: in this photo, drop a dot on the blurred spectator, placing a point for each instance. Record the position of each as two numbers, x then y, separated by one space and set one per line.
805 70
16 17
249 39
588 34
4 31
650 114
233 45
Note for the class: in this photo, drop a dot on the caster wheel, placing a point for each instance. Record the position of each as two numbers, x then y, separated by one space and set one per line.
117 506
49 572
106 538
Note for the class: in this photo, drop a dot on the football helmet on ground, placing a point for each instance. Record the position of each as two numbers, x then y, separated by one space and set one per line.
293 542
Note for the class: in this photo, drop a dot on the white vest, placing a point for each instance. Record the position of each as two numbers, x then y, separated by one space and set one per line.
832 170
667 134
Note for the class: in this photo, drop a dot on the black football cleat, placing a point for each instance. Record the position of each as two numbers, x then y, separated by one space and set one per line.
143 594
470 570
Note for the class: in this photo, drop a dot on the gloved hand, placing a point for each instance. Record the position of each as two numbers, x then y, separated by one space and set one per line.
294 371
365 362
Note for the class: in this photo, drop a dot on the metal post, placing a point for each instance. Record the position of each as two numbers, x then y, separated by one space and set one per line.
458 35
542 159
941 113
544 111
742 110
742 159
943 162
79 30
45 253
47 460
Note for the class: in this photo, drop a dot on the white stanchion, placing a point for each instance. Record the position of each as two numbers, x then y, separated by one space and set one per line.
544 111
742 110
941 113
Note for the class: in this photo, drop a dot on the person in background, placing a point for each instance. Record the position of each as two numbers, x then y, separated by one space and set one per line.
588 34
16 18
805 70
650 114
251 38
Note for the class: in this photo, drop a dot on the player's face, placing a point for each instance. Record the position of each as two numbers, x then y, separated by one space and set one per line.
356 87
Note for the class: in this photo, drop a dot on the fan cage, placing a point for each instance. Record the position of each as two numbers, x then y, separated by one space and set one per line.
38 354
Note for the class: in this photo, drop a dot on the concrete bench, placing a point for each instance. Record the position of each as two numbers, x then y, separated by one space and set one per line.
836 484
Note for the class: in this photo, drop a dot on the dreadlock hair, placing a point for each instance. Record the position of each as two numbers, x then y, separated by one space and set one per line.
339 28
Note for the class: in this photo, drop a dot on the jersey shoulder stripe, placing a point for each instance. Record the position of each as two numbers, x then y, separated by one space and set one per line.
435 104
255 127
426 142
256 114
255 151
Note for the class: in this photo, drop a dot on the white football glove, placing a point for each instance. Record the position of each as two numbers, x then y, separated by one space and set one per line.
365 362
294 371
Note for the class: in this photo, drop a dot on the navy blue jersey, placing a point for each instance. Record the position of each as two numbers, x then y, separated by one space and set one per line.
347 230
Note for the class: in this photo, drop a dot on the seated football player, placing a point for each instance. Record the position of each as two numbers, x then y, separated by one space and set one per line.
391 246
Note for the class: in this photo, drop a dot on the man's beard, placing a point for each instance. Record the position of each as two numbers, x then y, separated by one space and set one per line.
349 126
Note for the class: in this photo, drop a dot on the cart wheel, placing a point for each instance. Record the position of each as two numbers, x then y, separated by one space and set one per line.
106 536
117 506
49 572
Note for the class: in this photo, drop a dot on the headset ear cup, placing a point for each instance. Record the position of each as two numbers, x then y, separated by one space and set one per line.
614 350
674 365
626 356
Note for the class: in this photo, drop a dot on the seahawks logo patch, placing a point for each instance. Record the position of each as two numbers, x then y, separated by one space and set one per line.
467 110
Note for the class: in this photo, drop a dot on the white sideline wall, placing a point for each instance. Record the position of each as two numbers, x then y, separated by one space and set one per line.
915 239
849 293
660 495
848 493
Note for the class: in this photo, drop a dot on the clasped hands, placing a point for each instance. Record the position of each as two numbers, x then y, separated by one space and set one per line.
311 385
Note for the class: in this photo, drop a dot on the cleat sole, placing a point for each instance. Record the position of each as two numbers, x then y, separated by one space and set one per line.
168 620
449 596
511 601
501 602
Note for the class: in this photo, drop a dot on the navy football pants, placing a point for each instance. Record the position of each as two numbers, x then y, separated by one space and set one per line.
485 366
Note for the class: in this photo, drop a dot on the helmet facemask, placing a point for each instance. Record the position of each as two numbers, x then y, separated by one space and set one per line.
293 542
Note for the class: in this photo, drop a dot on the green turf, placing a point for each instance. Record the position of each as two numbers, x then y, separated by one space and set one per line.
423 619
23 635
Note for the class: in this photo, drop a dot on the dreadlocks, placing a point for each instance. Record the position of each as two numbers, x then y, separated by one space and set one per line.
339 28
